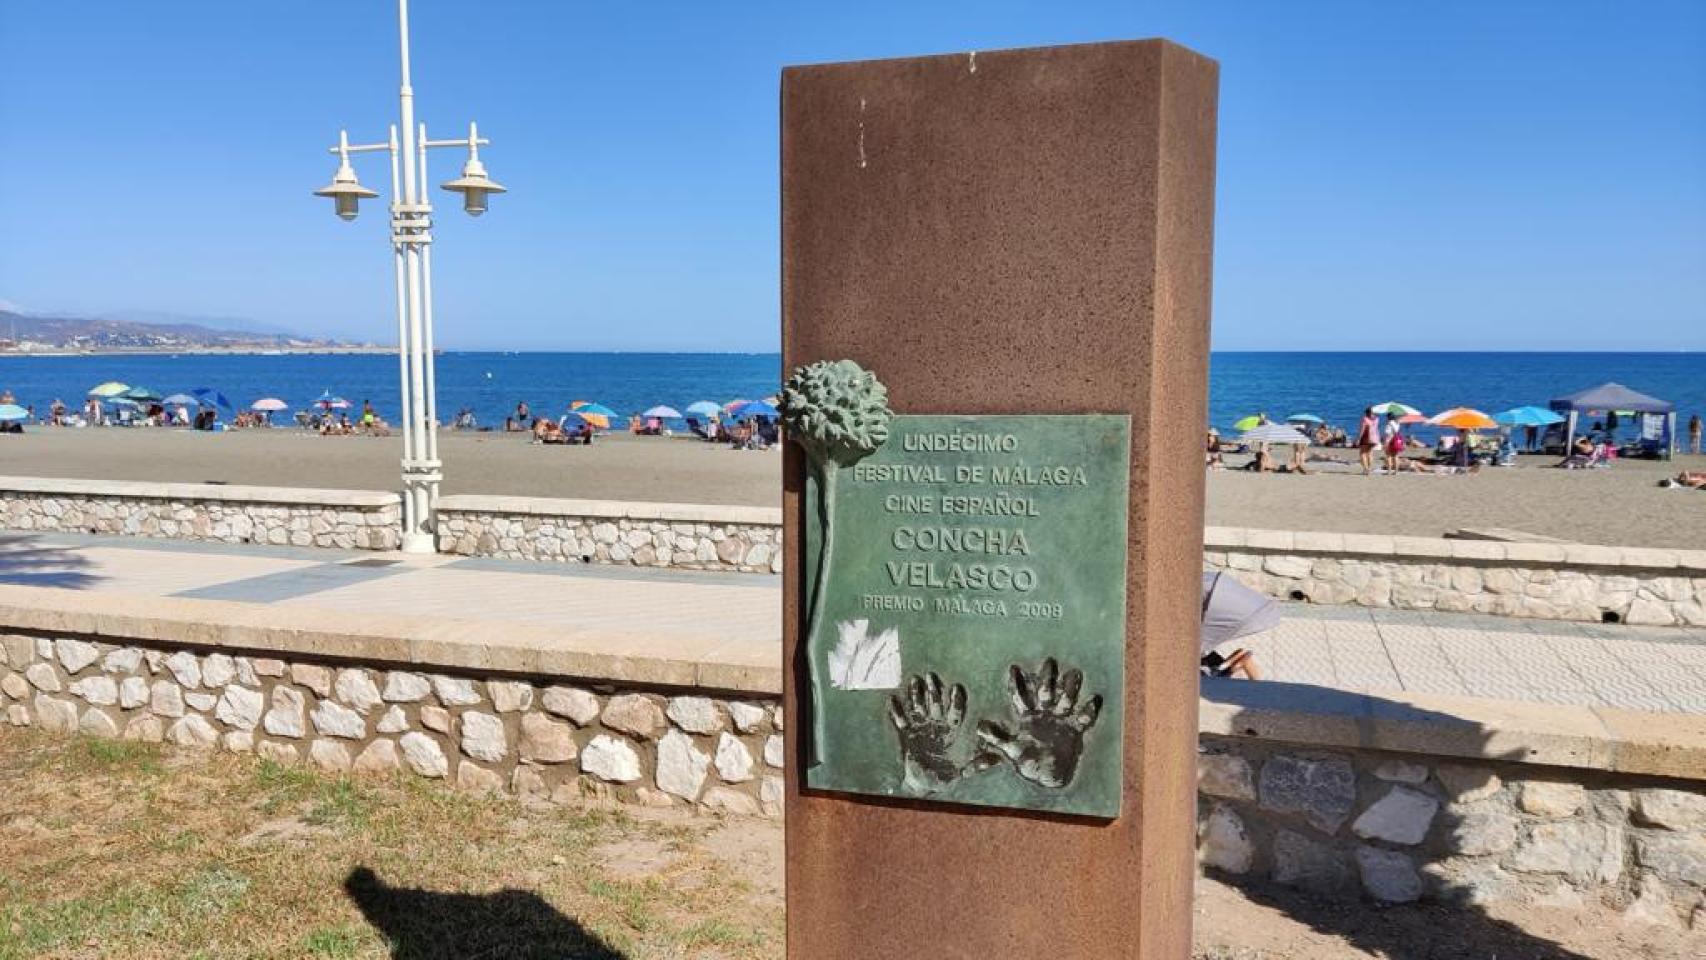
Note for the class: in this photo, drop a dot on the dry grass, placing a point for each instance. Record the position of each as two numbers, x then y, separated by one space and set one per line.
111 849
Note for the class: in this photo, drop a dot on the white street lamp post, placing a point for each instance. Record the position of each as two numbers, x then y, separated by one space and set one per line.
411 244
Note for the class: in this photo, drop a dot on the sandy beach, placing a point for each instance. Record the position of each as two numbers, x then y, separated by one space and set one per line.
1621 505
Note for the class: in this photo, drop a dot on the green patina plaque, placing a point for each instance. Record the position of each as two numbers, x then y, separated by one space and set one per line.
969 642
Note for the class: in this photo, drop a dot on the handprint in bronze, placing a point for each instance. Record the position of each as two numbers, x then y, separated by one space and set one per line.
928 715
1046 739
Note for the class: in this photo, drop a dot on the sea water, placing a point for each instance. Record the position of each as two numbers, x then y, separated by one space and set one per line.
1335 386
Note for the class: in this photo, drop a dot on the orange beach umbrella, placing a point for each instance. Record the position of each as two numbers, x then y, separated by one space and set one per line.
1463 418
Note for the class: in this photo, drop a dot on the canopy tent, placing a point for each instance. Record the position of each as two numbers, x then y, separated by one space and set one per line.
1609 397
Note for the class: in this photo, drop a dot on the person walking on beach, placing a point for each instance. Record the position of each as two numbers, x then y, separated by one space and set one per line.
1694 434
1394 442
1368 437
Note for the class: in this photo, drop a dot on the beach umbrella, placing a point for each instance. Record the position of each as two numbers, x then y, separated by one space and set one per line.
757 408
1528 417
142 395
329 401
12 413
111 388
1273 433
597 409
1463 418
269 405
1250 422
734 405
121 402
704 408
1231 610
584 412
209 397
1402 412
1304 418
179 399
663 412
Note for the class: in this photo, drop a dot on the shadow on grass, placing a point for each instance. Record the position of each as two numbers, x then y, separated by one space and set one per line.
26 562
506 925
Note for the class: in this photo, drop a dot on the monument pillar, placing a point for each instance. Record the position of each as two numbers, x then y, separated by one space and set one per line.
1020 232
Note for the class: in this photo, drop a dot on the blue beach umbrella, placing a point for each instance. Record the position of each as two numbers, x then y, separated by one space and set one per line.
209 397
1528 417
1304 418
704 408
179 399
757 408
141 395
12 413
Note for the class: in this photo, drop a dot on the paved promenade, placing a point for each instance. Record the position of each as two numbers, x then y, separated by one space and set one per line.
735 618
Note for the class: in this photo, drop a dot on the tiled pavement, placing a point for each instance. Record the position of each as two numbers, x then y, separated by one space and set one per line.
1349 648
1504 658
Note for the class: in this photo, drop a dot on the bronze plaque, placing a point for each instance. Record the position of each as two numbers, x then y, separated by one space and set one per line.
969 642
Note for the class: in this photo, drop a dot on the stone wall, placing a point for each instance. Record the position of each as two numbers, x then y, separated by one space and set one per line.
1543 580
534 737
347 519
746 539
1402 827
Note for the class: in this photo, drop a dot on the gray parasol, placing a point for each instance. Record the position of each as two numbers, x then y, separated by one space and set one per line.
1231 610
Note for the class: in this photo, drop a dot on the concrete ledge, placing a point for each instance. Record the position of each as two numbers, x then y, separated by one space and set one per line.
613 509
1667 745
1620 741
1434 550
632 658
71 487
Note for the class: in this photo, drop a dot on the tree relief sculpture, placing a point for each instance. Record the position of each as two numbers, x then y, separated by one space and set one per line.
838 413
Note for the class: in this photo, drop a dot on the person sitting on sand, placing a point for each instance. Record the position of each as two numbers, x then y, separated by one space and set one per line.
1299 457
545 431
1692 479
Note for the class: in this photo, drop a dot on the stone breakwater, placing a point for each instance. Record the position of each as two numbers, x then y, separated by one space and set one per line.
1547 581
343 519
534 738
744 539
1404 827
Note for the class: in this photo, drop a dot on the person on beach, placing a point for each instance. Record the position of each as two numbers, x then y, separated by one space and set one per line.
368 417
1694 434
1368 436
1394 443
1299 456
56 412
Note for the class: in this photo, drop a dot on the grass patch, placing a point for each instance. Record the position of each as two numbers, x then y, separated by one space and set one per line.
128 850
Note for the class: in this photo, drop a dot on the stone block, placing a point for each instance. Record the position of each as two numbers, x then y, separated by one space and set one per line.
1224 844
1316 867
1401 817
1388 875
733 760
355 689
509 696
1483 834
1551 799
285 719
1468 784
1401 771
544 740
695 714
423 755
483 737
681 767
1225 775
1679 810
1674 857
1322 790
634 714
610 759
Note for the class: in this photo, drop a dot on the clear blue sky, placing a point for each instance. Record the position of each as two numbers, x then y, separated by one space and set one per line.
1404 175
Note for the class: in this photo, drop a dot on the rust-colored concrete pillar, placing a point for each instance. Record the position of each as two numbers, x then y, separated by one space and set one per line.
1021 231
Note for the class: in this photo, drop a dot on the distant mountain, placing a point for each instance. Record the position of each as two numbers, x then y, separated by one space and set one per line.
25 332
